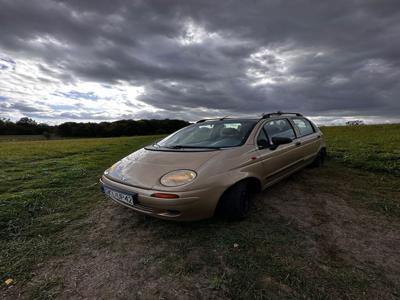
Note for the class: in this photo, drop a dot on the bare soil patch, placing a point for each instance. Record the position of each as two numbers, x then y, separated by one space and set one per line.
120 258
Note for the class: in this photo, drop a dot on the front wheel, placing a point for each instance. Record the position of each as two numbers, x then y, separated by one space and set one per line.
235 203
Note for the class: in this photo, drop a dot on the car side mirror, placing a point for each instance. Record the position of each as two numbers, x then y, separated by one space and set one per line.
262 144
280 140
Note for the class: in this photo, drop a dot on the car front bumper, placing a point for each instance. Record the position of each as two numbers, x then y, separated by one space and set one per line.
190 206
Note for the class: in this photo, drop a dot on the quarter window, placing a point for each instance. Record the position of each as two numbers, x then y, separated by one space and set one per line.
281 128
304 126
262 136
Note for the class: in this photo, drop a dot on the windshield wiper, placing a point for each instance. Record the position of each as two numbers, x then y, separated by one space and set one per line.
189 147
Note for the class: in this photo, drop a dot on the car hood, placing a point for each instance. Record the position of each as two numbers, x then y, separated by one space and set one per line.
144 168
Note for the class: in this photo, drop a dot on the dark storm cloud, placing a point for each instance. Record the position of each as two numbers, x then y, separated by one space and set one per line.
321 58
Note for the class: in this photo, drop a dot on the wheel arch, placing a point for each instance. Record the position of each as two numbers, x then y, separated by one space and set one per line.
254 183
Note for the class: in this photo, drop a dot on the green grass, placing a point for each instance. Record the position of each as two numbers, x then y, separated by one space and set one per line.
375 191
48 188
373 148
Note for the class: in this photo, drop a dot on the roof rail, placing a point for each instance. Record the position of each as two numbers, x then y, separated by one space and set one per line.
264 116
280 113
213 119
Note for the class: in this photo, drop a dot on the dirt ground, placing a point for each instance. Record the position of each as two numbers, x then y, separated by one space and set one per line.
344 234
122 254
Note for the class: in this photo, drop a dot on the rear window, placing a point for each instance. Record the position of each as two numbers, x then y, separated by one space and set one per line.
304 126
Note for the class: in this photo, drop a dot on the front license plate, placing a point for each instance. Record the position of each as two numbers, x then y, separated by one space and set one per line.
121 197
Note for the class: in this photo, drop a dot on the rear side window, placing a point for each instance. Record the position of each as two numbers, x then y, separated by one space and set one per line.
281 128
304 126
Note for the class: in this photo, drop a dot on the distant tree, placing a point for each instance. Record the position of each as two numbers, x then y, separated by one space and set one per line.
104 129
26 120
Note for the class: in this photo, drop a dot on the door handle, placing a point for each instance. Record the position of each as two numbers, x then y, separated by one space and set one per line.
298 143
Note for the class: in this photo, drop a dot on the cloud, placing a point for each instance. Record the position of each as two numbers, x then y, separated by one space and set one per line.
97 60
78 95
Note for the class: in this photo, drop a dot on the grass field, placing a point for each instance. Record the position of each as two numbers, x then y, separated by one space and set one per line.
46 185
52 214
373 148
18 138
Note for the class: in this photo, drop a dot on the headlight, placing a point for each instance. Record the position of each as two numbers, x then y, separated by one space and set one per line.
110 169
178 177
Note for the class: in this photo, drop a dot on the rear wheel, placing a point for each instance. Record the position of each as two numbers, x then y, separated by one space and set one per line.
235 203
320 159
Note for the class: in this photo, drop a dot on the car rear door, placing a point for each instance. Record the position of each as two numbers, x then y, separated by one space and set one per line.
308 138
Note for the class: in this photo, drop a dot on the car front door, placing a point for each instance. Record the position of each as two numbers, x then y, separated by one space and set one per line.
277 161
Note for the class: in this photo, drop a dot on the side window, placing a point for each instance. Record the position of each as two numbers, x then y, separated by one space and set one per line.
304 126
281 128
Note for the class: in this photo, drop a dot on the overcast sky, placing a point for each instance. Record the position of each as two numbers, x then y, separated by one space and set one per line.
106 60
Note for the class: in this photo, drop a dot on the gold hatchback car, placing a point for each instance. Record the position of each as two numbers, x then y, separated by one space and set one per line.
214 165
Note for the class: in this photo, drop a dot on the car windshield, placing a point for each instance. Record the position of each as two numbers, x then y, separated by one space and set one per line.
210 134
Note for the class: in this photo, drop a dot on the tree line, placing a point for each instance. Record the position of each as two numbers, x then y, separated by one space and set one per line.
27 126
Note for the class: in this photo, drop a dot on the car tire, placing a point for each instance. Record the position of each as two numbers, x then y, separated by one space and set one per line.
235 203
320 159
